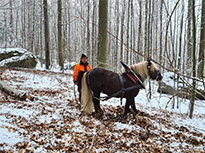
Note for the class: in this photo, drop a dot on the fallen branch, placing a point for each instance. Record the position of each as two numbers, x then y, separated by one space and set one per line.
21 95
93 140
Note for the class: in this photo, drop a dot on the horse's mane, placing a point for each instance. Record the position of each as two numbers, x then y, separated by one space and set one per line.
141 69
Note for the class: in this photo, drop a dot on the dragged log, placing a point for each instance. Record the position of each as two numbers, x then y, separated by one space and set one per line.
168 85
12 92
166 89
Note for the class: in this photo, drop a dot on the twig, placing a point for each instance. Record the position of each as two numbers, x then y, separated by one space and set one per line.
93 140
91 146
143 55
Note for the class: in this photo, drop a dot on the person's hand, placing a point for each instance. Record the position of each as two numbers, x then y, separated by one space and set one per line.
76 83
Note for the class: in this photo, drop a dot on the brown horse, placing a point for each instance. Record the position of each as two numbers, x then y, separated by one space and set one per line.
100 80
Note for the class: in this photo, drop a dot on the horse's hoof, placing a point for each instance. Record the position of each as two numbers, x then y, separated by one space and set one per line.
134 112
104 118
124 118
99 115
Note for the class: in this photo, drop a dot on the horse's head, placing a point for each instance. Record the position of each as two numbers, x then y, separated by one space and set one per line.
153 71
147 69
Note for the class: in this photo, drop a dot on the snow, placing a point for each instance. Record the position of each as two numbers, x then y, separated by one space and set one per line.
171 80
8 50
54 106
9 137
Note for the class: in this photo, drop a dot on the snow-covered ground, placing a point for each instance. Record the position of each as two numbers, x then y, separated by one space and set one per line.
54 123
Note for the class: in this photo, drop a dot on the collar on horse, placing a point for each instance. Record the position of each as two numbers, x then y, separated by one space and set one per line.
135 79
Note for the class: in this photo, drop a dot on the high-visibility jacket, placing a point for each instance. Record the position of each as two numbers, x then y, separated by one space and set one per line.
79 70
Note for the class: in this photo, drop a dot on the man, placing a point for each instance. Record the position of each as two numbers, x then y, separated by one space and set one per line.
79 70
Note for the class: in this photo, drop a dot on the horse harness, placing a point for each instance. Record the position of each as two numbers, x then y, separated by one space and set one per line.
123 90
131 75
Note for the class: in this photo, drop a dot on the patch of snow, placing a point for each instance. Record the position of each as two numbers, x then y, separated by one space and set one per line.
8 50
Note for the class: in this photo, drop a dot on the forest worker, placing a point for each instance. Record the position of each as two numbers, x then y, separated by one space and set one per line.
80 68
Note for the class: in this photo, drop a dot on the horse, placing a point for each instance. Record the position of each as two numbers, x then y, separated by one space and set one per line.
101 80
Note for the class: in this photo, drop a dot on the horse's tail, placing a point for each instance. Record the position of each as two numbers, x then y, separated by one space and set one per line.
86 96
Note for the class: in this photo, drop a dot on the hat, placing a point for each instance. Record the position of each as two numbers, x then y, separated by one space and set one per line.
83 55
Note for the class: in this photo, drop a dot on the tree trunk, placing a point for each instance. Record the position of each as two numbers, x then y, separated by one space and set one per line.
33 28
41 35
60 54
46 34
139 31
202 43
145 30
11 21
117 32
160 39
102 35
189 37
88 32
180 50
122 32
128 35
93 35
131 32
194 61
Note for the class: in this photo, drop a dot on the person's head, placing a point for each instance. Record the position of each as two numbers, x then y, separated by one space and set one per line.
83 58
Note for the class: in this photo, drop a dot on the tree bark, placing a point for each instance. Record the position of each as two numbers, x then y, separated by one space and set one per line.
93 63
194 61
102 35
46 34
202 43
128 35
139 48
88 32
117 32
189 36
160 41
122 31
60 54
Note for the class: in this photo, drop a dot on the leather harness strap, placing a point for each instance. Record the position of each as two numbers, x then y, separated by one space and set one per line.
122 91
122 87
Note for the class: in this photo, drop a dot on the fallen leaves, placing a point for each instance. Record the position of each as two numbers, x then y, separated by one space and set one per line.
54 125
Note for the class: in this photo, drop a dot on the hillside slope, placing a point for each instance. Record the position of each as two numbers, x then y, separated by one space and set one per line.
54 121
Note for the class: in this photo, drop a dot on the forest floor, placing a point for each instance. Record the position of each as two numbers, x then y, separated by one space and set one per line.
54 122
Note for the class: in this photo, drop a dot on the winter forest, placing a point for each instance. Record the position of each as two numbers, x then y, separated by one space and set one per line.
168 32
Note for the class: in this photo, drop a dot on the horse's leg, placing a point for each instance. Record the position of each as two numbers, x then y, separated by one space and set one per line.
127 105
98 110
134 110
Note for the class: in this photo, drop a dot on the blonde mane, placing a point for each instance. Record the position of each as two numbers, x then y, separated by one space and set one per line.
141 69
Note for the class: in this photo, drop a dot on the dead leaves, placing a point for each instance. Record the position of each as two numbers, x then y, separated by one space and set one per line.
55 125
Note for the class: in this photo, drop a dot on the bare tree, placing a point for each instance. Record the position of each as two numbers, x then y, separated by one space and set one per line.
202 43
194 61
60 41
102 33
46 33
189 36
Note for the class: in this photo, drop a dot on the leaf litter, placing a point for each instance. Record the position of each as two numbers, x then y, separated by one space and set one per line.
54 123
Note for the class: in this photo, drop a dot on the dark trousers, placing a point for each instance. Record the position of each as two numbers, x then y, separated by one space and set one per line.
79 90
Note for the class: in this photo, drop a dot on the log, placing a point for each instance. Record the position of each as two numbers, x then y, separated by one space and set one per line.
183 93
12 92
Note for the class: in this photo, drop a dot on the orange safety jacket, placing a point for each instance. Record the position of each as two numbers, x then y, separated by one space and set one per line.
79 70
